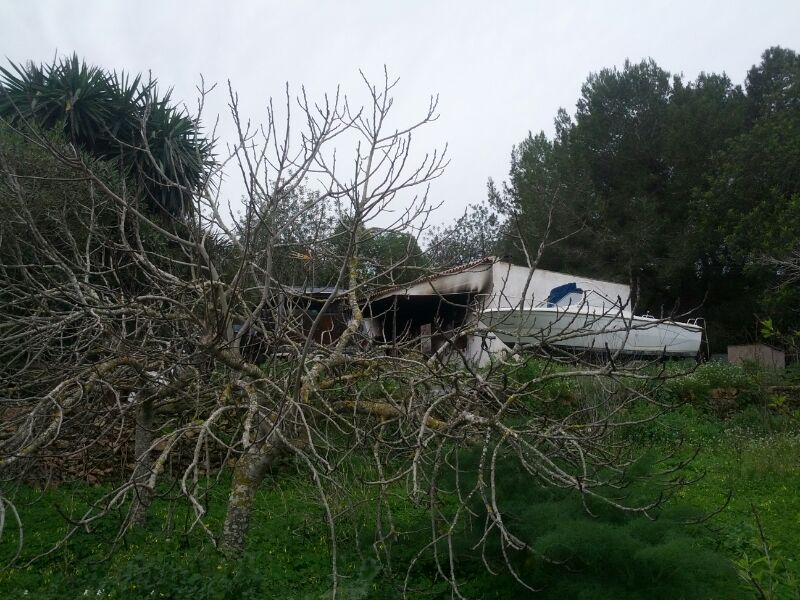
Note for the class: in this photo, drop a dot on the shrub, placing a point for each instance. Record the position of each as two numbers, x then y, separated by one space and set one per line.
574 554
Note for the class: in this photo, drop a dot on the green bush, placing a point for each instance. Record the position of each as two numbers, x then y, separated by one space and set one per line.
791 374
685 423
574 554
698 384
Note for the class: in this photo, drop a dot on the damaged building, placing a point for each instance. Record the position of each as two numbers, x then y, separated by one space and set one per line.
444 311
488 306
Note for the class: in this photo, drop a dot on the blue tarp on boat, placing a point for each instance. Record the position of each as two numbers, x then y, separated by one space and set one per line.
561 292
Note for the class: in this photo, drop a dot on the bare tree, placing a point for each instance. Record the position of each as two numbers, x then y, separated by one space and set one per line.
179 337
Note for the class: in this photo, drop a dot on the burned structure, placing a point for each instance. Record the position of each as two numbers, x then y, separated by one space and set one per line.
444 311
486 307
290 317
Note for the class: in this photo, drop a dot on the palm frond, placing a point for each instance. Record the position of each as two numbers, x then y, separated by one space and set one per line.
113 116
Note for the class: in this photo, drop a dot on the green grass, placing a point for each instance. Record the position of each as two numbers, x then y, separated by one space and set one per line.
762 475
753 456
288 553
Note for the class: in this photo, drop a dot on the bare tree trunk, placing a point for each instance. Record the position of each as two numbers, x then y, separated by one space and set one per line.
247 477
145 416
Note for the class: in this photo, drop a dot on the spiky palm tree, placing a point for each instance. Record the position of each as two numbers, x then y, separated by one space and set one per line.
113 117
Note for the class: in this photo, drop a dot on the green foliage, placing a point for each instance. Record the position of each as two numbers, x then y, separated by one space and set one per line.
760 472
605 176
314 237
475 235
683 424
750 205
582 547
613 555
792 374
758 215
391 257
679 186
112 116
712 375
152 569
64 208
357 586
774 84
288 553
675 382
764 569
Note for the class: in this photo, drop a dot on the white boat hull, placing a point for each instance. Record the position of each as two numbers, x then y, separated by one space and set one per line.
587 328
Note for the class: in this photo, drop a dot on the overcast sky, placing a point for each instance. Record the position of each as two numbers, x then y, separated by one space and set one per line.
501 69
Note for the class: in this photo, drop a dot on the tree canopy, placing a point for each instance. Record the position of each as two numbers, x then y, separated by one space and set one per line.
681 187
113 116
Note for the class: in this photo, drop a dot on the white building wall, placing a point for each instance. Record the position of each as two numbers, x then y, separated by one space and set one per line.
508 285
